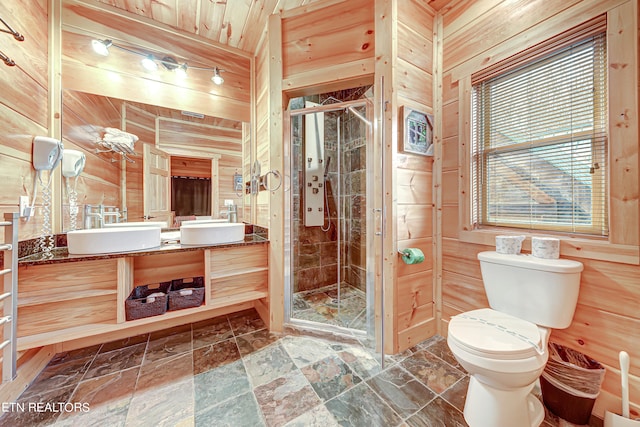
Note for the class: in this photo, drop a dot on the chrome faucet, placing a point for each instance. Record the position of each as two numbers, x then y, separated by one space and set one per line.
100 215
231 213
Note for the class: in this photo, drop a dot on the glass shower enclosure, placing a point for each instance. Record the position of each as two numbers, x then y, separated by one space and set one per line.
330 265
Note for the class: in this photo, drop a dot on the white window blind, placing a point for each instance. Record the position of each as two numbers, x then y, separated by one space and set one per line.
539 156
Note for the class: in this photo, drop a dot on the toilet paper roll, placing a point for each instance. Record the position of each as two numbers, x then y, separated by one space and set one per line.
545 247
509 244
412 255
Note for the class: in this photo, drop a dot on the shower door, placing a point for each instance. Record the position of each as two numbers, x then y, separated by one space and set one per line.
330 269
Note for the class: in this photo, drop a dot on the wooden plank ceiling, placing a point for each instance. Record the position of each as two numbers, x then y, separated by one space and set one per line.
236 23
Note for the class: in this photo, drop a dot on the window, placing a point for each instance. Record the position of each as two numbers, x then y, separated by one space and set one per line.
539 129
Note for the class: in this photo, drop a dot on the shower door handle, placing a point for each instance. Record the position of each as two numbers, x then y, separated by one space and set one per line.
377 221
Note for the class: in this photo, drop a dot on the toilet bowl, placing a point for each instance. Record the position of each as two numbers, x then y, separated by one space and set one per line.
504 347
504 357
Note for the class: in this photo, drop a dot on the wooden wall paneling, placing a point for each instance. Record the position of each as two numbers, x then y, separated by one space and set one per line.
315 39
570 17
587 329
438 153
611 287
462 257
450 154
23 117
491 28
191 167
463 292
414 14
414 187
277 105
414 221
415 48
449 88
450 221
450 187
29 55
414 291
622 51
413 83
464 154
385 251
260 202
256 24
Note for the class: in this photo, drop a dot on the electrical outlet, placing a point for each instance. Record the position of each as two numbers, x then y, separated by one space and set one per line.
25 209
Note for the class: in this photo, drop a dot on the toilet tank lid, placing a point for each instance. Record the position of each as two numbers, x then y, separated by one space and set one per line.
532 263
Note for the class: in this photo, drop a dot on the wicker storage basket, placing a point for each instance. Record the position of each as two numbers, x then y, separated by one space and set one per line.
192 298
136 305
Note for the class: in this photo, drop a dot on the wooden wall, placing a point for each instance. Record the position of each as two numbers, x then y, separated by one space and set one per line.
414 310
607 318
24 105
261 200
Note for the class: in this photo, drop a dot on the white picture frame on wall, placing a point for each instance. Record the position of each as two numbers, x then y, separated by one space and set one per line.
416 131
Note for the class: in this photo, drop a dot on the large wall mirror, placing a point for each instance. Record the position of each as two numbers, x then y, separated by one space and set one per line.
189 131
182 165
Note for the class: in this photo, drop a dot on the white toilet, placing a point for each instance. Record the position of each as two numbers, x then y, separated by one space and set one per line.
504 348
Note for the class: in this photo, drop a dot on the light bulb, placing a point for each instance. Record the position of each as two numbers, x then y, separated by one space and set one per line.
101 47
217 78
181 71
149 63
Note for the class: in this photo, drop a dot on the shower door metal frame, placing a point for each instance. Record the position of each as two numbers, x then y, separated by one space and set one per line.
374 312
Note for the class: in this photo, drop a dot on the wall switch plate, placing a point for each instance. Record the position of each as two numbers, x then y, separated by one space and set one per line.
25 209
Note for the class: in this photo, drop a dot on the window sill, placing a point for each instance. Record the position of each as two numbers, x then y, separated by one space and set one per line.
573 247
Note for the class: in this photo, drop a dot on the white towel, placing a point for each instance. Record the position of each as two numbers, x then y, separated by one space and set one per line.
121 139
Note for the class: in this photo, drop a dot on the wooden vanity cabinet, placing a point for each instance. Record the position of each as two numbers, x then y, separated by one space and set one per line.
83 301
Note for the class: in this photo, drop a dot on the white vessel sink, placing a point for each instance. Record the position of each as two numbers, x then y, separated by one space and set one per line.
160 224
211 233
113 239
204 221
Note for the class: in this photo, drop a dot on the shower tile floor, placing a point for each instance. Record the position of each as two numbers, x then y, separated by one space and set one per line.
230 371
323 305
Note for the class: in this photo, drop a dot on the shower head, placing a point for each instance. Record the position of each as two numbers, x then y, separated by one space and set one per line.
358 115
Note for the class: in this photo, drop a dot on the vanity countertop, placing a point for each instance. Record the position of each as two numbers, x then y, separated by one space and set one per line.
60 255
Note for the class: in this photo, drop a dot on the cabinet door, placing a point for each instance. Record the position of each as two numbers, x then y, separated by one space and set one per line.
157 184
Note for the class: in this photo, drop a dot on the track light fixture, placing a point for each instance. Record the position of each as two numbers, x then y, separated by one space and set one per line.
150 63
217 78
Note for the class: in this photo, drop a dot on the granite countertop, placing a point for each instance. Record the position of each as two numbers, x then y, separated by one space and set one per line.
61 255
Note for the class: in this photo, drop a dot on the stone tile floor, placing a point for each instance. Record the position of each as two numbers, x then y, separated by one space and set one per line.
230 371
323 306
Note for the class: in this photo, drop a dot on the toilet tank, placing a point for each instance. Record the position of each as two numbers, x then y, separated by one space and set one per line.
542 291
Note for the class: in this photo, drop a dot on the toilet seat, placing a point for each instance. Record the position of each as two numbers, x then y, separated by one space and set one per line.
496 335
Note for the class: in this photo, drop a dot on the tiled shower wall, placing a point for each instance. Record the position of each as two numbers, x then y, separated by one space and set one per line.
316 251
